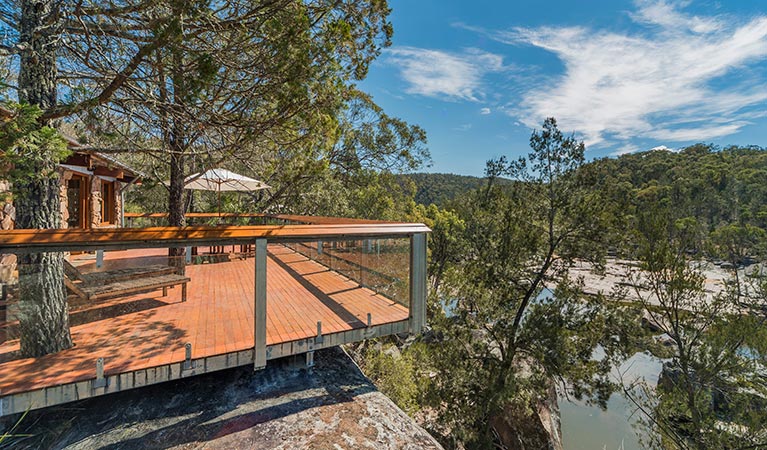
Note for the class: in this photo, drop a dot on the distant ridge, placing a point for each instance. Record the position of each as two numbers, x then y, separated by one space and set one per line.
441 188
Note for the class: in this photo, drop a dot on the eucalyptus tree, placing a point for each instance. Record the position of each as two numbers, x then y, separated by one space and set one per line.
713 391
37 35
364 145
238 80
518 320
181 78
738 244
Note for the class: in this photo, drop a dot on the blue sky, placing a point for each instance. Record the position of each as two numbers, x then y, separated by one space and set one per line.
624 76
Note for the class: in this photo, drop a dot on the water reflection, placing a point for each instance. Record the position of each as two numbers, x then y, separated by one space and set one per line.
587 427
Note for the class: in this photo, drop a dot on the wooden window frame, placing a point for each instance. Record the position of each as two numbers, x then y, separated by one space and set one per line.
84 206
108 203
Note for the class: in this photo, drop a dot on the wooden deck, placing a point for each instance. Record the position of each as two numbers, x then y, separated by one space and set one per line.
147 331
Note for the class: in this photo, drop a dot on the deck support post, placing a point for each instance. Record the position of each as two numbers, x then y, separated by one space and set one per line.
417 282
100 381
188 254
310 359
3 315
259 321
188 364
319 339
368 332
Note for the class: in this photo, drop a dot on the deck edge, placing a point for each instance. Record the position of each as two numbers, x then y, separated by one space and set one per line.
119 382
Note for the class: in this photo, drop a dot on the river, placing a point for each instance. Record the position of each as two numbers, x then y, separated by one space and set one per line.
587 427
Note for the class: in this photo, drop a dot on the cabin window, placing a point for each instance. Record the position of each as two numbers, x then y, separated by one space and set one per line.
107 202
77 202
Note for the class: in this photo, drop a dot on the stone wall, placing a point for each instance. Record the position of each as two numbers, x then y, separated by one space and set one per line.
118 204
7 222
97 197
64 177
95 202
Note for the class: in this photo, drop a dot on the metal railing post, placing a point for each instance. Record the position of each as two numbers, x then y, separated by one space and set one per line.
417 282
259 319
363 263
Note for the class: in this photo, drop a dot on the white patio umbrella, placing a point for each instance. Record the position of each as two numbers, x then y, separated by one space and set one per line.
222 180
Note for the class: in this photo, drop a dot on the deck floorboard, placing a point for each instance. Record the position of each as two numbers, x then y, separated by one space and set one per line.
216 319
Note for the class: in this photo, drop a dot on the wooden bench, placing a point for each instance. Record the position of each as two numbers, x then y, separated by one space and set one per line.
109 276
91 292
122 282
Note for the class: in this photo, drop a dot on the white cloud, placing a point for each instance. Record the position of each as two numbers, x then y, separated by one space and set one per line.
445 75
463 127
484 111
666 15
657 82
633 148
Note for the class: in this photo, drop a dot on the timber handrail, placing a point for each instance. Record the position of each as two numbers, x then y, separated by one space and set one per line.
316 220
130 215
32 241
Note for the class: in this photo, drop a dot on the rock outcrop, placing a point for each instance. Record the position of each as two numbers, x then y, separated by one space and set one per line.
537 428
333 406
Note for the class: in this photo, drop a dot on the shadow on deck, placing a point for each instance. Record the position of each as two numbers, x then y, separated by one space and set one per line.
142 337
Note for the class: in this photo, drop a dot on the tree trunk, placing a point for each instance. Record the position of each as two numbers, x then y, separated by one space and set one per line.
176 141
37 68
44 317
176 200
177 144
176 217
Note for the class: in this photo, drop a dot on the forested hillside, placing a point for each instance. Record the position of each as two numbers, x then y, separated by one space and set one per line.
715 187
493 251
440 188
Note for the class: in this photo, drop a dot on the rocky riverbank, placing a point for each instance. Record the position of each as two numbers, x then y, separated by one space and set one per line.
619 274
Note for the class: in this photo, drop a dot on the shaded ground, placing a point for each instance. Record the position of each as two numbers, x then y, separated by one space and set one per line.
331 406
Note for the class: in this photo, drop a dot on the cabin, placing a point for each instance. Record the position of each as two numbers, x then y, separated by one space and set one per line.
92 187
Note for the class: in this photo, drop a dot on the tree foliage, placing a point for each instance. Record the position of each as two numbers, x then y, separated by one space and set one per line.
489 243
712 388
714 186
518 320
442 189
24 145
186 86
